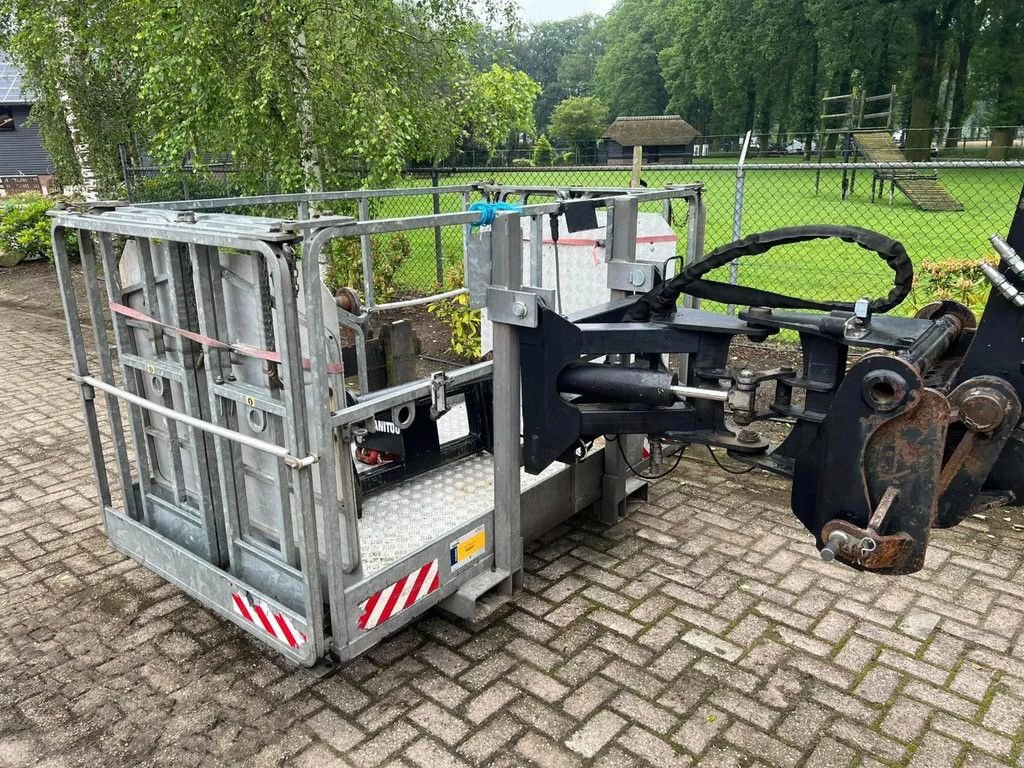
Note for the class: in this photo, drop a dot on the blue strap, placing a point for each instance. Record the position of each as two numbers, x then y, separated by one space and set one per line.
489 210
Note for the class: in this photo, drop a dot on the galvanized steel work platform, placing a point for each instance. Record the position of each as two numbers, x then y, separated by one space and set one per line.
234 424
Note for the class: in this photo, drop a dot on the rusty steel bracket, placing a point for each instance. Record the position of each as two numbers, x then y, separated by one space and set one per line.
867 548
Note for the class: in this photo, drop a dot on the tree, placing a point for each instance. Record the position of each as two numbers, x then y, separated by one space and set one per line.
304 93
501 103
627 77
579 120
542 152
77 62
561 56
1000 72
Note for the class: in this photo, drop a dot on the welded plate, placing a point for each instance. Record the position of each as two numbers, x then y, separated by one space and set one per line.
398 521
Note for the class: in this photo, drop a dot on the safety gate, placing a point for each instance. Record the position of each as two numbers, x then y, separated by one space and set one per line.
215 473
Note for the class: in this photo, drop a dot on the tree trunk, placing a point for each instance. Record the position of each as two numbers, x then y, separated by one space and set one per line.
958 107
928 31
952 86
1002 140
312 172
79 142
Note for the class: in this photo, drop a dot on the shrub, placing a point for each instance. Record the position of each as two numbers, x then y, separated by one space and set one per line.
522 162
953 280
25 228
542 152
182 185
463 321
346 264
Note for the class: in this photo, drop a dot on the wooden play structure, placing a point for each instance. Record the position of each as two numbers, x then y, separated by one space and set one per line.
869 135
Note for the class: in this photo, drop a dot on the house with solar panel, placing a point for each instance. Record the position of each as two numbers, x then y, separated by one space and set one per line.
24 164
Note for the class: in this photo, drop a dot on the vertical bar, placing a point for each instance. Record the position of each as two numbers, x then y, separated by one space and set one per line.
737 229
230 470
507 272
81 366
99 327
367 253
184 311
621 246
338 510
149 293
438 245
297 438
537 251
467 229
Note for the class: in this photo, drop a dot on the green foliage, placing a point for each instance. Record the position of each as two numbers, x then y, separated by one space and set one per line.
346 264
522 162
306 93
542 151
463 321
25 227
579 120
182 185
501 103
999 69
79 50
561 56
958 280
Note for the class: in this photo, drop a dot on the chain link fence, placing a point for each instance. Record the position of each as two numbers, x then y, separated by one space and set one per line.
943 212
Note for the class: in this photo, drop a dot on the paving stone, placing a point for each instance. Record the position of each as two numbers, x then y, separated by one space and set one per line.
591 737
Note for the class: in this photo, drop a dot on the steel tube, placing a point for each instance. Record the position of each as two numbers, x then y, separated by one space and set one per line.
933 343
699 393
260 445
618 384
419 301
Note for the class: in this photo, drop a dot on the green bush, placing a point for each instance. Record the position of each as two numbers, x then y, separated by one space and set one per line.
182 185
25 228
463 320
542 152
522 162
346 264
959 280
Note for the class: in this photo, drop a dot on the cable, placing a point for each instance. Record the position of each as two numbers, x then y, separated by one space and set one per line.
639 474
725 468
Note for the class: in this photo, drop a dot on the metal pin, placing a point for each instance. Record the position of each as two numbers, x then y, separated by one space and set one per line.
1002 285
1008 254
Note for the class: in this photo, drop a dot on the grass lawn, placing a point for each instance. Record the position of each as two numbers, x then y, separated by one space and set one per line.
825 269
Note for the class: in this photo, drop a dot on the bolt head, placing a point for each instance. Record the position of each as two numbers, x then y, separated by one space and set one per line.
519 309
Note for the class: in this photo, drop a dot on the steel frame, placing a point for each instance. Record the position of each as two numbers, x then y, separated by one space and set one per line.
182 469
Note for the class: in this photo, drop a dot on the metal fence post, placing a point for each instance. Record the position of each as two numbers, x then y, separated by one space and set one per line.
438 245
367 252
737 216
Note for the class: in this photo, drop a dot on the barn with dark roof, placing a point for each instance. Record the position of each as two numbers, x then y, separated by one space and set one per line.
21 151
666 139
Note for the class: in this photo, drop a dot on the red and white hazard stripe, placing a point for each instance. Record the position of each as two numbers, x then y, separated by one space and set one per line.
394 599
261 615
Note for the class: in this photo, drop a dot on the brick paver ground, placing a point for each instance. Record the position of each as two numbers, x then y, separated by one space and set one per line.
702 630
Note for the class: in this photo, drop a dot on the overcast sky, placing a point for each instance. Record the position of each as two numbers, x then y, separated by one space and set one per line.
551 10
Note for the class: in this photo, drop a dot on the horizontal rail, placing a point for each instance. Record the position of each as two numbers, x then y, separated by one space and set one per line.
418 302
697 168
302 197
228 434
405 393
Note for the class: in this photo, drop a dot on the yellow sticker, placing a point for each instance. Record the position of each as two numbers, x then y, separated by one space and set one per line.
468 547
